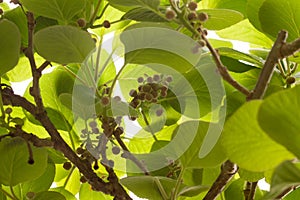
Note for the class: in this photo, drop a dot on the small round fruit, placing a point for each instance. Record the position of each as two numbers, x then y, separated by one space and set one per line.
133 93
203 17
80 150
93 124
149 79
202 43
106 24
67 165
169 79
119 131
116 150
192 5
30 195
156 77
170 14
105 101
95 130
83 179
8 110
111 163
192 16
30 161
96 166
290 80
140 80
81 22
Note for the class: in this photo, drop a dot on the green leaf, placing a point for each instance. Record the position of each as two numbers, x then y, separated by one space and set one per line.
238 5
221 18
62 10
141 47
231 53
250 176
14 156
253 7
148 186
144 14
63 44
68 195
245 31
73 184
293 195
279 117
235 190
2 195
248 79
190 158
276 15
284 176
190 191
129 4
42 183
10 42
22 71
86 193
49 195
17 16
246 144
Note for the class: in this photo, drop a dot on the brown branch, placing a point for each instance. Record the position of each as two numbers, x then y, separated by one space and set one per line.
228 170
286 192
38 111
250 190
130 156
36 74
268 69
222 69
36 141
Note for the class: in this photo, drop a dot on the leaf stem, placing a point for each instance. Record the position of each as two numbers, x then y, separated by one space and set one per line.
95 12
161 189
101 25
1 103
69 176
13 193
148 125
7 194
178 184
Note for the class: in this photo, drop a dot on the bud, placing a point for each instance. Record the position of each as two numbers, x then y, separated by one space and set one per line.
81 22
170 14
192 5
203 17
106 24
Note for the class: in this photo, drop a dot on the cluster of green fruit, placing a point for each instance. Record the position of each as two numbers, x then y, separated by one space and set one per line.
150 90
